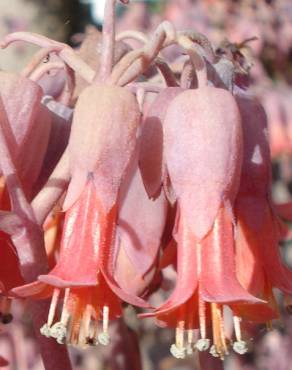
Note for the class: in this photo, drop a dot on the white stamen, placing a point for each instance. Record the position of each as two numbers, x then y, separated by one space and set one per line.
213 351
105 318
202 318
45 330
177 352
237 330
59 332
65 316
103 338
240 347
202 344
179 334
190 336
53 306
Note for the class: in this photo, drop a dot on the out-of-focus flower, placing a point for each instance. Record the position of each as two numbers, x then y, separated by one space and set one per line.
3 361
259 265
10 276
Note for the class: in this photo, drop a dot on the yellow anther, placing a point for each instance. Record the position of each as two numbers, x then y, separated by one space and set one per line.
218 331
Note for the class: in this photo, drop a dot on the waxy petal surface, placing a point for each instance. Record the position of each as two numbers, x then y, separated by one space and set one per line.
203 153
218 281
29 163
151 147
253 204
252 276
80 252
107 258
102 140
256 164
266 236
187 268
21 98
141 223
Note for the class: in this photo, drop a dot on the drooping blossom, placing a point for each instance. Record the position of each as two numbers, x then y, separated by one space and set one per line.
203 161
259 265
140 228
98 159
224 239
100 149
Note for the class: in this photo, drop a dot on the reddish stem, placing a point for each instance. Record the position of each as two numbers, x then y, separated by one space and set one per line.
64 51
37 74
188 75
164 34
166 72
68 89
53 190
108 41
38 57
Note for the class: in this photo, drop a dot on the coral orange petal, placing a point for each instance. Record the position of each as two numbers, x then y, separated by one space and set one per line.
187 279
218 276
79 256
107 263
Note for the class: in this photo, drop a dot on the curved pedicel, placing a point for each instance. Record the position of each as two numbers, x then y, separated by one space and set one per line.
65 52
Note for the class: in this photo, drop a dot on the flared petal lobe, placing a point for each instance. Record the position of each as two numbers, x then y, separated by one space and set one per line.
218 271
80 244
10 276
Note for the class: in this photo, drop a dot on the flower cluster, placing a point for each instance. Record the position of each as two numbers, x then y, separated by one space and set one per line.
147 172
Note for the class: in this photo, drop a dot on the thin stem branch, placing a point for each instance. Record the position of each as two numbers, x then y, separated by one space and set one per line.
166 72
9 222
138 61
108 42
65 52
196 58
37 58
38 73
188 75
53 190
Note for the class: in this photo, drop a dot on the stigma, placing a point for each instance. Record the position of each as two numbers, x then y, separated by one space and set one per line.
79 321
218 345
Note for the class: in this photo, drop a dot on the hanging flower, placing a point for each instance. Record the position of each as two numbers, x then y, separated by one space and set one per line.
81 276
84 273
259 265
140 227
203 146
